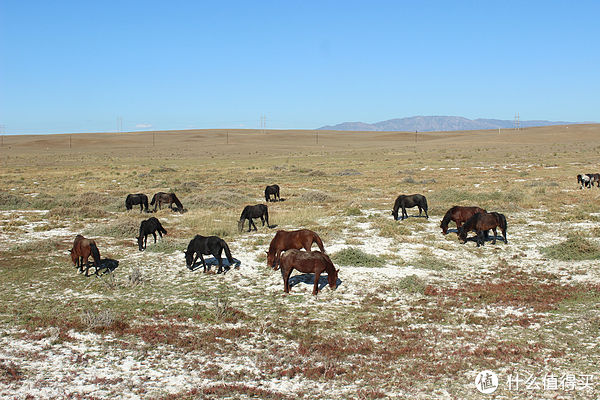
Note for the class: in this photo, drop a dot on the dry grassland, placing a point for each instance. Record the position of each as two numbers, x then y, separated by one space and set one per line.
416 315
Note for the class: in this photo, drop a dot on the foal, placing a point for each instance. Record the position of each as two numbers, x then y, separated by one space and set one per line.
480 223
285 240
308 262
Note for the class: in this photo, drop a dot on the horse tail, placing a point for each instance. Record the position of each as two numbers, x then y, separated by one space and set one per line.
153 199
145 201
227 251
424 205
267 194
95 255
267 215
319 242
178 203
503 223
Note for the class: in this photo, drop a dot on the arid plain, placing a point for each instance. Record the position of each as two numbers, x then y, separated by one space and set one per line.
416 314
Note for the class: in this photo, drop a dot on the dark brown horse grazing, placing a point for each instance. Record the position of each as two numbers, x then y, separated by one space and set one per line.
161 197
308 262
82 249
286 240
458 214
408 201
480 223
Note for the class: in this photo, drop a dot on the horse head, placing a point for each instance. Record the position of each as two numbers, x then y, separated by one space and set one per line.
395 214
332 279
241 224
271 261
189 258
140 241
462 234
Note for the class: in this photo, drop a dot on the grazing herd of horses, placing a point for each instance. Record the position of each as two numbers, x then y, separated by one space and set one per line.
285 248
588 180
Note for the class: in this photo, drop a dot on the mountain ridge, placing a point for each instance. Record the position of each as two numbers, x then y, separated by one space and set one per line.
439 123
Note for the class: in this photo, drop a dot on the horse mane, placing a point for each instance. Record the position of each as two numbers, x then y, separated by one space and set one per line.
244 212
447 218
468 225
177 202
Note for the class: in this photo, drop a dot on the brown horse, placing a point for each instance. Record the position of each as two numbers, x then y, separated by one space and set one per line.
308 262
458 214
167 198
285 240
82 249
482 222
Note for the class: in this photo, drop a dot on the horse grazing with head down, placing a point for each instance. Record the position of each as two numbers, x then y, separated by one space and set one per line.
213 245
458 214
147 227
249 212
286 240
482 222
134 199
409 201
272 190
161 198
82 249
313 262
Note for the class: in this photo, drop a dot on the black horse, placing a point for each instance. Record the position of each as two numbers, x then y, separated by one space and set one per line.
149 226
258 211
161 197
135 199
409 201
200 245
272 190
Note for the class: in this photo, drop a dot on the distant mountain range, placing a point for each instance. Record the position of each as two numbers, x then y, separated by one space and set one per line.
437 123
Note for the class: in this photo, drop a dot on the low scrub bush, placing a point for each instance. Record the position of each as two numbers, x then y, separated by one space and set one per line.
575 248
352 256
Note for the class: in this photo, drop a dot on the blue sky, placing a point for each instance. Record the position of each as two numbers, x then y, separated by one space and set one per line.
76 66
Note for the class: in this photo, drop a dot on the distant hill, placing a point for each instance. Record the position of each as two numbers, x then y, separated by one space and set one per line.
436 123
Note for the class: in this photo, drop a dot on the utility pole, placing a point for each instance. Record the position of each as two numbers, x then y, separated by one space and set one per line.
517 122
227 137
70 139
317 136
119 124
2 135
153 135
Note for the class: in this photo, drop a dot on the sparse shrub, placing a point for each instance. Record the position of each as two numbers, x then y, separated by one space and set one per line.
221 199
575 248
10 372
315 196
353 211
124 227
352 256
412 284
9 201
135 277
166 245
82 212
409 179
99 319
429 261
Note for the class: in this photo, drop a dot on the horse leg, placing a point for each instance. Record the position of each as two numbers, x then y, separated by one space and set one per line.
191 267
80 264
262 219
420 209
494 230
316 285
251 224
479 238
286 280
218 257
203 262
154 234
